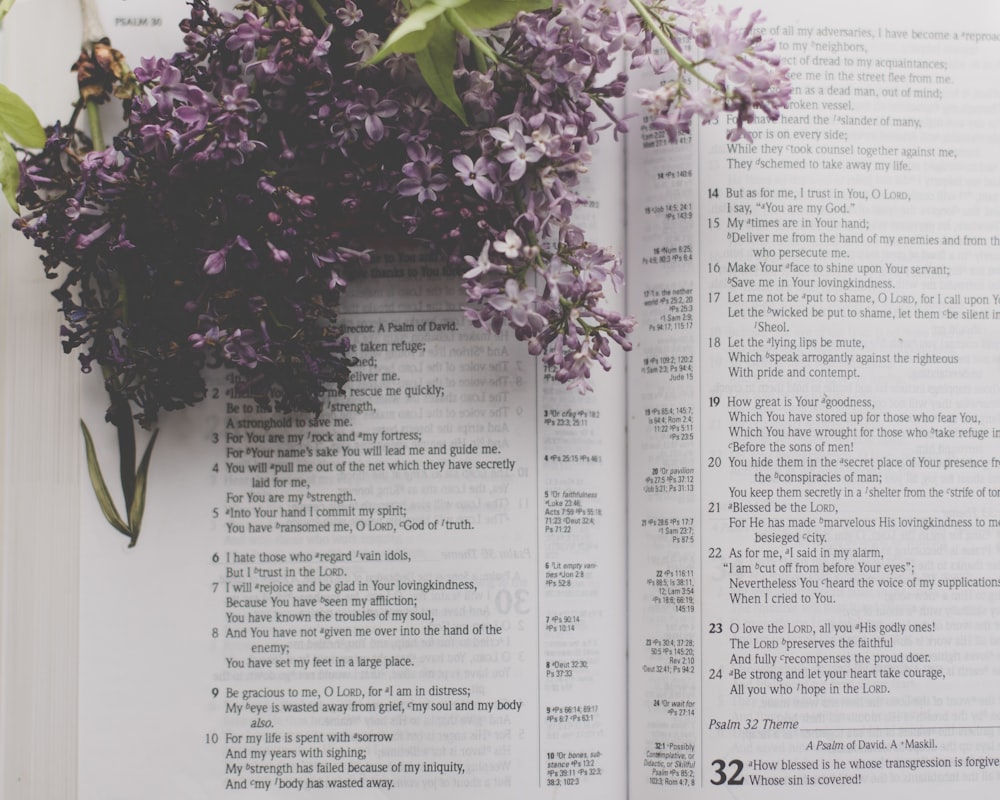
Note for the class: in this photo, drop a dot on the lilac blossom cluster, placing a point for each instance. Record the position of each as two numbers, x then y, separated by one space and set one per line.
712 63
260 167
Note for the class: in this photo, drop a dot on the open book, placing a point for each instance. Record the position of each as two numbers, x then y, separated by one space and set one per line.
761 557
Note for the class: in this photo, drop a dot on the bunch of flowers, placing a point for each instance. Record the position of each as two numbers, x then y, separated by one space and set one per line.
260 167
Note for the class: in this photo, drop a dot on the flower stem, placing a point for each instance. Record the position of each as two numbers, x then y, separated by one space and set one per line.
94 118
462 27
133 478
318 10
120 415
93 32
656 26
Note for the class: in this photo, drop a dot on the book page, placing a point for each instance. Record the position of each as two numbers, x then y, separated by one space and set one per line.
419 591
39 430
813 423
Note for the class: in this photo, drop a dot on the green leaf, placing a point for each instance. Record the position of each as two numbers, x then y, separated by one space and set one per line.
138 506
10 173
413 33
18 121
101 488
437 65
5 6
429 34
446 3
481 15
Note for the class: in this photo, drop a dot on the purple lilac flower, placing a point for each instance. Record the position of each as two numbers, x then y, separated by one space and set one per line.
482 175
481 265
514 150
373 111
509 245
421 180
349 14
260 166
745 72
519 304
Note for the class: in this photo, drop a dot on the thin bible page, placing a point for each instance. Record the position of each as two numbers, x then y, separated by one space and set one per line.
814 422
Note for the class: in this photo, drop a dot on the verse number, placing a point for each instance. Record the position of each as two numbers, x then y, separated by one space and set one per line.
727 773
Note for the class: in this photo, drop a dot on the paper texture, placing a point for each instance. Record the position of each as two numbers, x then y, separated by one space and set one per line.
760 558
